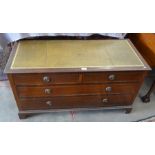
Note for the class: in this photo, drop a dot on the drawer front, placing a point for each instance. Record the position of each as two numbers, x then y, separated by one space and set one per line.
48 91
112 77
76 102
46 79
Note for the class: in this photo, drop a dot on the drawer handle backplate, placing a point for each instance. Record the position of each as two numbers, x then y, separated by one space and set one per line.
111 77
108 89
49 103
46 79
105 100
47 91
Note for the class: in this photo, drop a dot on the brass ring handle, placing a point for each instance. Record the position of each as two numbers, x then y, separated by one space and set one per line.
46 79
49 103
108 89
47 91
111 77
105 100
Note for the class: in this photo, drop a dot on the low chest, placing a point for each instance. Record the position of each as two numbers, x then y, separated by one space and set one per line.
65 78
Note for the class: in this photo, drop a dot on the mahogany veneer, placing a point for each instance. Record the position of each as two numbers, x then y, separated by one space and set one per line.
49 84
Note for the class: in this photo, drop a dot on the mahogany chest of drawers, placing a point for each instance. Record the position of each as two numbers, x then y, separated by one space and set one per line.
52 75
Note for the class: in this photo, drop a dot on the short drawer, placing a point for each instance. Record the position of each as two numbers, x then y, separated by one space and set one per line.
102 77
48 91
46 79
71 102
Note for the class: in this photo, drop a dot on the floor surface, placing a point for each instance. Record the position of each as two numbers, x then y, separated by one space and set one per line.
9 111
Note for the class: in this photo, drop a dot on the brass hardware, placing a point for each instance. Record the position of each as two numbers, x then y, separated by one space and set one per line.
108 89
46 79
49 103
105 100
47 91
111 77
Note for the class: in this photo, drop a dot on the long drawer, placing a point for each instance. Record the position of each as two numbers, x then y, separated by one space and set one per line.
76 102
48 91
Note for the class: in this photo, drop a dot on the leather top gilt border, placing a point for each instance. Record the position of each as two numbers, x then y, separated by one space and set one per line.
8 68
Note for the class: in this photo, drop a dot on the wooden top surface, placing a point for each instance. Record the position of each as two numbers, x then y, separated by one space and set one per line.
75 54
